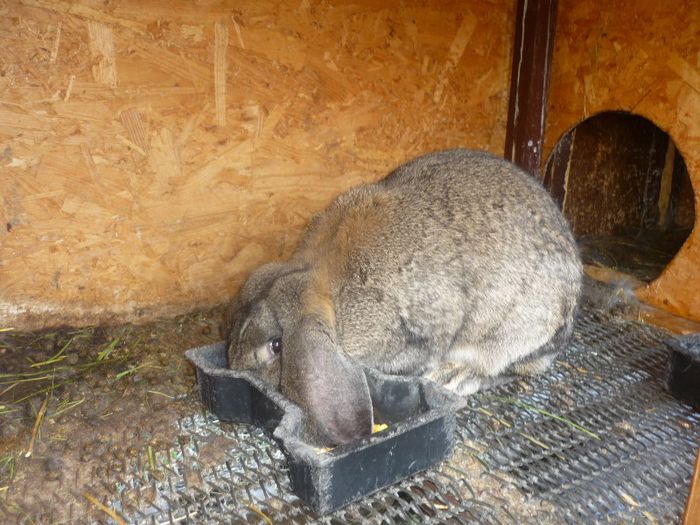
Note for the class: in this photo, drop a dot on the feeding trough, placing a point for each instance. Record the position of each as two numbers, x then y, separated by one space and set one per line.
419 415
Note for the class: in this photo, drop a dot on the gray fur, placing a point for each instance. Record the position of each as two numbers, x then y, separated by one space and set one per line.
457 266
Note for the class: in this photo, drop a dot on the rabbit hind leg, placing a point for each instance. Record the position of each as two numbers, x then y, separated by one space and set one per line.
462 379
465 378
534 364
542 358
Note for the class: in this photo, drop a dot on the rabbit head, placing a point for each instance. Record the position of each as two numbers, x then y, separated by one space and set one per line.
255 320
279 329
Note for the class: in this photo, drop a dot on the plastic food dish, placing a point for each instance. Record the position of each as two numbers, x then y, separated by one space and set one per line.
420 432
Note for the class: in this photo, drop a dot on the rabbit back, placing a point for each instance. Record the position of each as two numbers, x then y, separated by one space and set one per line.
456 256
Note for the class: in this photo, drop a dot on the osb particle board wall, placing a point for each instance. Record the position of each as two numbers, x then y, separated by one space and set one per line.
641 56
153 153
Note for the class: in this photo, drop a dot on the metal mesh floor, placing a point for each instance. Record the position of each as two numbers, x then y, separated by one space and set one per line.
595 439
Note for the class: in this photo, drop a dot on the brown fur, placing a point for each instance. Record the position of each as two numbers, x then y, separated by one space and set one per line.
317 301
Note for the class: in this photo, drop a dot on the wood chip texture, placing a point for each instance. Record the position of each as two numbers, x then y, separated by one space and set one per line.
640 56
154 153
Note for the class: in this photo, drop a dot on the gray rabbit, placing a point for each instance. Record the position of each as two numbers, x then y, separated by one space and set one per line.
457 266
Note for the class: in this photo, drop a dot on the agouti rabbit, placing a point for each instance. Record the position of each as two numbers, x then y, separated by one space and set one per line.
457 266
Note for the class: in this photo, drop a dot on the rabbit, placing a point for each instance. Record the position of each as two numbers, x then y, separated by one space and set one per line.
457 266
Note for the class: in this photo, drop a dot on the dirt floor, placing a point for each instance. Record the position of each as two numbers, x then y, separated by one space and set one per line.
73 399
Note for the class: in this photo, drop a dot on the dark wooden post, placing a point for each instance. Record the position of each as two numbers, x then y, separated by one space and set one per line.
532 57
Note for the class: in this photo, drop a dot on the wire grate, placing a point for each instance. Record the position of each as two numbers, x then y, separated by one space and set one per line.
595 439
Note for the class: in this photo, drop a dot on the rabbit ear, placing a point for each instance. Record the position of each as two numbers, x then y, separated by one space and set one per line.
326 383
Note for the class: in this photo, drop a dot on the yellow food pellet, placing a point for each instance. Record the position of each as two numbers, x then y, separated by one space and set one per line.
377 427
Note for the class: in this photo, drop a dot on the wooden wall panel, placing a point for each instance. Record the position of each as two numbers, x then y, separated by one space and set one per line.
641 56
152 153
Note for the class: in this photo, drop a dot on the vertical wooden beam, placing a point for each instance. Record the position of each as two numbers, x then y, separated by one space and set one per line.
532 57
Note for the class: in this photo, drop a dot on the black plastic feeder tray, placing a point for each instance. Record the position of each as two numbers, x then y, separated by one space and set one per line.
683 375
421 431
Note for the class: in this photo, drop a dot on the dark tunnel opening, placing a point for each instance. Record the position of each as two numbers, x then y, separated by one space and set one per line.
624 187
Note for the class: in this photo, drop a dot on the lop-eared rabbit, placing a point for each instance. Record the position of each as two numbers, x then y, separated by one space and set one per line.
457 266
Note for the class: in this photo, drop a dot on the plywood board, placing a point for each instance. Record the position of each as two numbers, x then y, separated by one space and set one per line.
641 56
153 153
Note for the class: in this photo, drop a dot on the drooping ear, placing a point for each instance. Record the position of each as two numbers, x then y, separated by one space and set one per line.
329 386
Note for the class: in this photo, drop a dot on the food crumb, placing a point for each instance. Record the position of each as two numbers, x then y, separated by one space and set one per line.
378 427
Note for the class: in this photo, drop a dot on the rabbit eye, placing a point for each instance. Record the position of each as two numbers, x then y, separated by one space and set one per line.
275 345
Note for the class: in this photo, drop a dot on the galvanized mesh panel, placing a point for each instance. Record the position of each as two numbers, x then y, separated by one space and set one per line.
596 438
638 464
